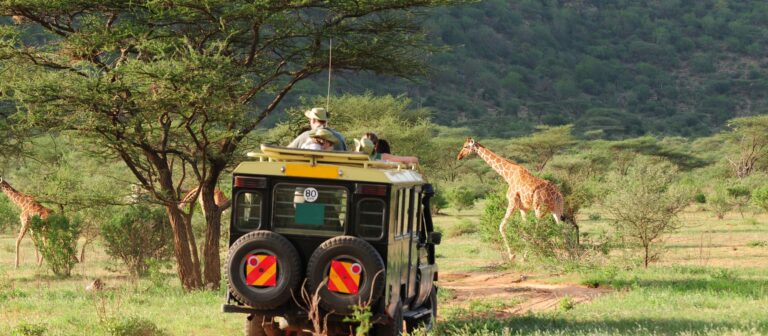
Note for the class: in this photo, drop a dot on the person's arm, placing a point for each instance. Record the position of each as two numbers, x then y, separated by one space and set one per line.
401 159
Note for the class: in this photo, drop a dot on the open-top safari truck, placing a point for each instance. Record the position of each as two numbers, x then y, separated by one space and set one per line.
354 231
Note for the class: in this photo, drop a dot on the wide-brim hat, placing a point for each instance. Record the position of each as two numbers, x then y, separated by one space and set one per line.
364 145
318 113
324 134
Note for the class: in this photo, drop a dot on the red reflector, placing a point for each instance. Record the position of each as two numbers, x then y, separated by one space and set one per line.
371 189
250 182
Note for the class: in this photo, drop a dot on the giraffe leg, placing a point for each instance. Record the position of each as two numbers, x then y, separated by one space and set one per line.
22 232
502 230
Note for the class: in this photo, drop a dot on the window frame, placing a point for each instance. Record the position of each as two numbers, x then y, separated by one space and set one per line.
236 208
359 213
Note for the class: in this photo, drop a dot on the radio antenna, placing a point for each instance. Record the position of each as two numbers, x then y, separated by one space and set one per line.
330 69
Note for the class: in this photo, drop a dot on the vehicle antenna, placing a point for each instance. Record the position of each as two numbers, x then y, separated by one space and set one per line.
330 69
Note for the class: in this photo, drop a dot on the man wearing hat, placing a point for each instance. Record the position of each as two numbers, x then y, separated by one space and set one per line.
318 118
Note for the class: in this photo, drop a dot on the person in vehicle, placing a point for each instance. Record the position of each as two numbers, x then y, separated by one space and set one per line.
318 118
368 145
320 139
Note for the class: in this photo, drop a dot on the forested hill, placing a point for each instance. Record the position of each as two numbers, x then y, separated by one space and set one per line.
623 68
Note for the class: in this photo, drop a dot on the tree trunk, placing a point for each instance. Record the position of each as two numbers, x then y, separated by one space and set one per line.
187 269
211 257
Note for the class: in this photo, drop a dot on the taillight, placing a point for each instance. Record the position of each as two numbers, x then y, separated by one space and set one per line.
250 182
371 189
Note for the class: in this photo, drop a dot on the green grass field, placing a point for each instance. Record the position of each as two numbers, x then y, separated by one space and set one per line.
711 280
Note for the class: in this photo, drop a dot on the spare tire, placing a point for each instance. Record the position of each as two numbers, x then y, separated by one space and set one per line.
263 269
360 258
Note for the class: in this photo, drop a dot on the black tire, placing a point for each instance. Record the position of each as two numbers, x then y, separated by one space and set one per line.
288 269
352 249
427 323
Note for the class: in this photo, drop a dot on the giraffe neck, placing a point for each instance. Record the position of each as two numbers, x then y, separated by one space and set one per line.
505 168
16 197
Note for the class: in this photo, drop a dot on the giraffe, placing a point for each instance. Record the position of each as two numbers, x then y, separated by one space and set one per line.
526 192
29 208
219 198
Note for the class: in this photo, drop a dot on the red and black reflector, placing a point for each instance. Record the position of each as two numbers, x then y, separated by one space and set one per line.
261 270
371 189
250 182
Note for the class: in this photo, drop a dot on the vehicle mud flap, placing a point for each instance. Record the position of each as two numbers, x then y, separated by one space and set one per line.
426 323
354 273
263 269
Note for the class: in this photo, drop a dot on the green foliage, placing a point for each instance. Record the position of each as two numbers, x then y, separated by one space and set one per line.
9 215
566 303
645 203
540 147
700 198
438 202
136 235
537 238
760 197
29 329
56 237
133 326
719 202
464 227
361 315
462 198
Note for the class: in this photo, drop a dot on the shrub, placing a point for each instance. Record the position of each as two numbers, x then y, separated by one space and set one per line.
465 226
133 326
462 198
136 234
645 204
56 238
700 198
760 197
438 202
29 329
719 202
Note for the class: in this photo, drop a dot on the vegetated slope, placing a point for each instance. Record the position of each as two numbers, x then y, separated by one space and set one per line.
618 68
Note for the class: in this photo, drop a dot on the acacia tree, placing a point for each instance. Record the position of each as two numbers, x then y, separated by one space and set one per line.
645 203
540 147
173 88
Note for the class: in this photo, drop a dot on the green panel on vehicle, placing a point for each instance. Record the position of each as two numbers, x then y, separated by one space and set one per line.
310 213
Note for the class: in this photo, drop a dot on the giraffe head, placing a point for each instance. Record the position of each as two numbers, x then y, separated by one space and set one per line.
468 148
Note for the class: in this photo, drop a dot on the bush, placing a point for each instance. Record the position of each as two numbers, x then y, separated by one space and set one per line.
133 326
137 234
541 238
56 238
700 198
28 329
462 198
760 197
466 226
438 202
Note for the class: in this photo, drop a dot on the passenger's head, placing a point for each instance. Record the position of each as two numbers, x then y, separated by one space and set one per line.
322 139
371 136
318 117
383 147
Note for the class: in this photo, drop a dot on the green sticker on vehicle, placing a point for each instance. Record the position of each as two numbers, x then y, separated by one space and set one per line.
310 213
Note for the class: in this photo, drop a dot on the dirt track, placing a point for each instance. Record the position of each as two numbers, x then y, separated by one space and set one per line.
508 286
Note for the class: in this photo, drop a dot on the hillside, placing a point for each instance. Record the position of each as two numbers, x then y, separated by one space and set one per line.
618 69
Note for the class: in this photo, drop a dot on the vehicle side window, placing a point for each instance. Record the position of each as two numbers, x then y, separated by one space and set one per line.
248 210
403 212
370 218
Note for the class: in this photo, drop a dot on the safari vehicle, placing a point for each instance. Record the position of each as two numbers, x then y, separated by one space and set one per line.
354 231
